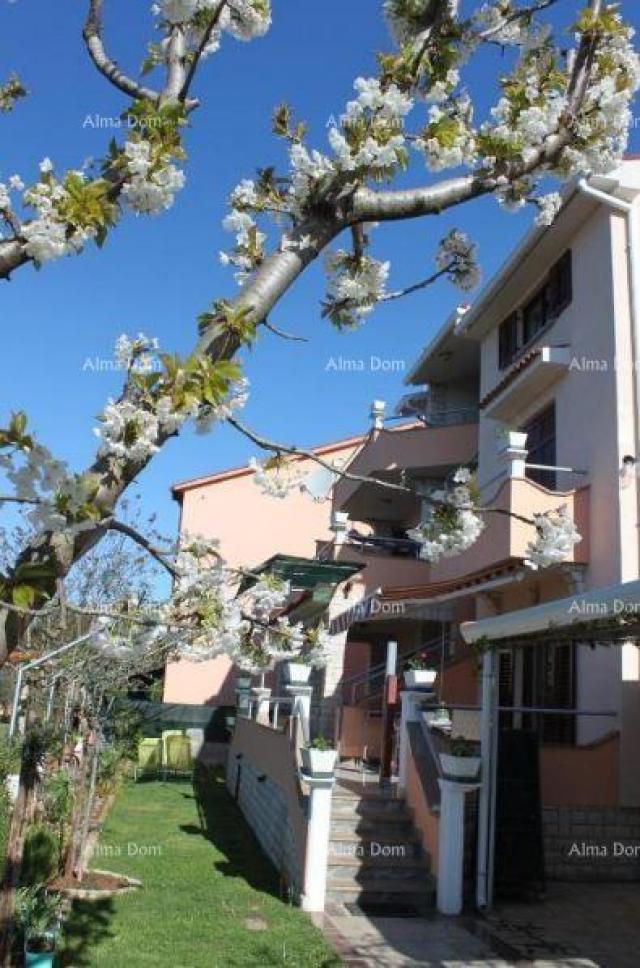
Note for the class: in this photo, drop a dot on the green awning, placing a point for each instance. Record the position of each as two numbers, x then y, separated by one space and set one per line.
304 573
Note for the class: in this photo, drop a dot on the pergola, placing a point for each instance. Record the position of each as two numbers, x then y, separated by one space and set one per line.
605 616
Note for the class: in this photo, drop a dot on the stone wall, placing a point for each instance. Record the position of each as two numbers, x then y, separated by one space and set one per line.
264 805
592 843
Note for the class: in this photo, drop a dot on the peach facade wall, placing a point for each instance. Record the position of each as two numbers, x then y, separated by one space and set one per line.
427 822
580 776
251 527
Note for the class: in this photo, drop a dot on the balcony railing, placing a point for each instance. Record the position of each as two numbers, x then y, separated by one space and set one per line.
449 417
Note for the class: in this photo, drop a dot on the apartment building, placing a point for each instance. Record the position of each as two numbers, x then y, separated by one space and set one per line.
536 386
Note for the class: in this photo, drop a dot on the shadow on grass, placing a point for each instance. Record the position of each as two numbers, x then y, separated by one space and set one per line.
223 825
87 925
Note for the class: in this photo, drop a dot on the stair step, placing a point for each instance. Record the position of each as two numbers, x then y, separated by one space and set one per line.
380 837
374 811
419 892
372 829
357 868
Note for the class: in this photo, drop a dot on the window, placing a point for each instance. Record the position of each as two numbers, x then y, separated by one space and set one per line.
508 341
544 676
522 327
541 446
560 286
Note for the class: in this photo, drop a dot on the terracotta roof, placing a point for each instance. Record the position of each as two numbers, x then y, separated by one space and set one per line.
320 450
434 589
521 364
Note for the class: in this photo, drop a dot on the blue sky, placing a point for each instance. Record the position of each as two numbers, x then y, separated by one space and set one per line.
156 275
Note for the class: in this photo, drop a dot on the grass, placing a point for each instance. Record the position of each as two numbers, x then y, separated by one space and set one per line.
210 897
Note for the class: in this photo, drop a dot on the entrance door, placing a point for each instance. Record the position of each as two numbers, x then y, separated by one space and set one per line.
519 847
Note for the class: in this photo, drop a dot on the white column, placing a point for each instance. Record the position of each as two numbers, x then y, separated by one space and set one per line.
514 454
317 855
339 526
451 845
261 696
301 705
411 700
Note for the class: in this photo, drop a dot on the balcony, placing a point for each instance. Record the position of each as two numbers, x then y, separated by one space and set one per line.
423 452
527 380
506 537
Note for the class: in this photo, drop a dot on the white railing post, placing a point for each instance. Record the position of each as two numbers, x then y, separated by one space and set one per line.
514 453
317 855
451 844
377 413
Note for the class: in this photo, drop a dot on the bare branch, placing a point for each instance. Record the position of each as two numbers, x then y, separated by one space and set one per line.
299 452
156 553
282 334
197 56
92 34
429 281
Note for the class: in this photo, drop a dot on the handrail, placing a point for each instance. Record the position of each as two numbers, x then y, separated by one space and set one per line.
378 671
429 646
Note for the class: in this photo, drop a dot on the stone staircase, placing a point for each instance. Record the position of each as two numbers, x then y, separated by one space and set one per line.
375 854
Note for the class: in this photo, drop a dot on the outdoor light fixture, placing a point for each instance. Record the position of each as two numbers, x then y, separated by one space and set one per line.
629 469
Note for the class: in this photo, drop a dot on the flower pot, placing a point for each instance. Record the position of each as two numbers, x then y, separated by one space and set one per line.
297 673
243 682
40 956
460 767
318 762
420 678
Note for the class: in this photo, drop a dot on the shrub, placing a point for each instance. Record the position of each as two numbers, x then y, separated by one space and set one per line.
40 860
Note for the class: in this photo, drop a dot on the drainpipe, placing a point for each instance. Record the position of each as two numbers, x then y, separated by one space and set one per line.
486 798
632 213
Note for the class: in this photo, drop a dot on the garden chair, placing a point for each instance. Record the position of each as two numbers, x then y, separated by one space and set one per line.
149 757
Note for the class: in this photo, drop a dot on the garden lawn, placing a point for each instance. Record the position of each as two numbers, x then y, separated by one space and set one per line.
209 897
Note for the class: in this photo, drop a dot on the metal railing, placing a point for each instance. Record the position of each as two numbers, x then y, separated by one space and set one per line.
378 671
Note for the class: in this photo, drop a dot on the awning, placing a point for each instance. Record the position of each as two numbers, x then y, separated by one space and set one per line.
604 614
362 610
303 573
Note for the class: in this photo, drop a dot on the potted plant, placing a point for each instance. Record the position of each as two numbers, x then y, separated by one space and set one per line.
38 914
319 757
462 761
298 671
418 675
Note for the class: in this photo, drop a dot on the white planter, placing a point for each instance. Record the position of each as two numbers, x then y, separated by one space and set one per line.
515 440
297 673
419 678
460 767
318 762
12 784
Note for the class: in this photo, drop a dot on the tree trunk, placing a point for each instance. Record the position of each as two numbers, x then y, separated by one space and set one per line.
79 796
88 809
20 819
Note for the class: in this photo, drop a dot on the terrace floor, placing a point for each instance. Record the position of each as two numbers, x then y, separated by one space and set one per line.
577 926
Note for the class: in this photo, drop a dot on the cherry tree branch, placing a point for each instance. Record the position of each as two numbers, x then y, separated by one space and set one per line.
92 34
113 524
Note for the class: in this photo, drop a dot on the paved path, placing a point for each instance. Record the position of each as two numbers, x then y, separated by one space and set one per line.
578 926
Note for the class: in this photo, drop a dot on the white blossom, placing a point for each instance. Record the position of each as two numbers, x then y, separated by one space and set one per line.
128 431
457 255
556 535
